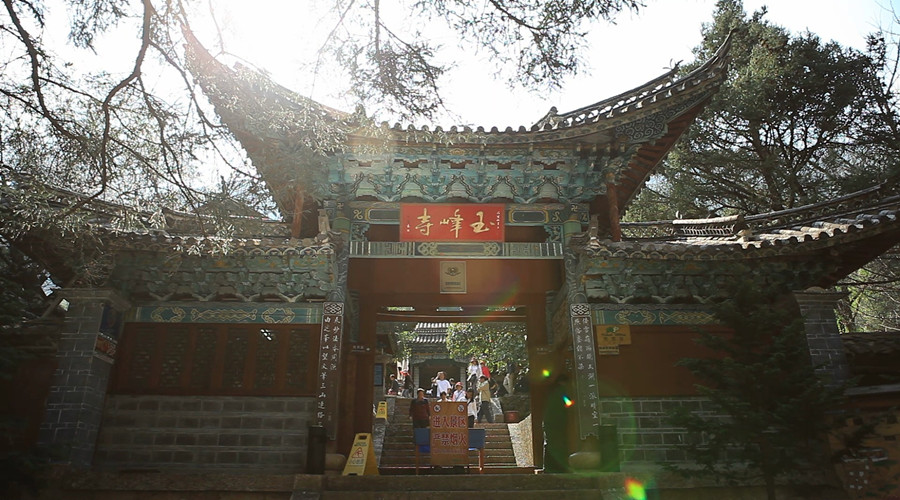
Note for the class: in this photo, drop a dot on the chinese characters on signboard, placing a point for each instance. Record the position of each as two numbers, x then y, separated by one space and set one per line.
610 337
463 222
588 399
449 434
329 361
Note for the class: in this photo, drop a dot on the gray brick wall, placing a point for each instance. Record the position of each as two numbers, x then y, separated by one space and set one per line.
643 433
75 402
205 433
826 350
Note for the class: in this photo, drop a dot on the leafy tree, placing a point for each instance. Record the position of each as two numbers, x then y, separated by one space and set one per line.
135 140
21 287
874 301
768 414
796 122
496 344
22 298
404 339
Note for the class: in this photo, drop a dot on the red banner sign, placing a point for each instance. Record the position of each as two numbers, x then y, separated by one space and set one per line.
449 433
464 222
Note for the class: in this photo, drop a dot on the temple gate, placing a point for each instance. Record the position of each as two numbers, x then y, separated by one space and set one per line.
225 351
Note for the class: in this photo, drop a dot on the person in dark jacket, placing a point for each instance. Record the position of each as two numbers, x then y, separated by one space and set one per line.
408 387
394 388
419 410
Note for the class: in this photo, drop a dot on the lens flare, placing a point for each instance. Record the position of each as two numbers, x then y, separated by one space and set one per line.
568 401
503 298
545 373
634 489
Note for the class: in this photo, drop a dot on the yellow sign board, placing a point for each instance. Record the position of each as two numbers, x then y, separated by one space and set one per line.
609 335
361 460
381 412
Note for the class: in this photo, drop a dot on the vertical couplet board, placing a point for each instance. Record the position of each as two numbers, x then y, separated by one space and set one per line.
328 377
588 398
449 433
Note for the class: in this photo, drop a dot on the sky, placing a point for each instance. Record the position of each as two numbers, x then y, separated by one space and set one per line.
271 35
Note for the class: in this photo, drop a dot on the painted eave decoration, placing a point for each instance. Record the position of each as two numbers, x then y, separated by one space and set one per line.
571 157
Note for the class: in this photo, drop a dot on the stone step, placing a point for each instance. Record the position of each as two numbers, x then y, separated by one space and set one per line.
404 431
408 433
489 457
407 423
409 460
425 462
500 452
398 456
451 495
407 444
474 483
424 471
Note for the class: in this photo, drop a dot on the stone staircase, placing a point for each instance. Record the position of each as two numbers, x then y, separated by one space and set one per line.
494 487
398 452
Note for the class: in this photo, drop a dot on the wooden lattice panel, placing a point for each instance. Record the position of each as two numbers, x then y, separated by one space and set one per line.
210 359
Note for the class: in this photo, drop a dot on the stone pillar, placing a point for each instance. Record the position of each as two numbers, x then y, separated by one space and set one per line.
78 388
825 347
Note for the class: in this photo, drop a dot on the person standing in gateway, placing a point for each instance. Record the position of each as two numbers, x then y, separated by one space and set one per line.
473 372
484 394
419 410
443 385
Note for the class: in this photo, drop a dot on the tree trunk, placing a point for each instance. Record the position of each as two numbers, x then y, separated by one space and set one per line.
770 485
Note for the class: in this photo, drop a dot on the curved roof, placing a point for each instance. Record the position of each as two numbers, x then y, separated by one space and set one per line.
566 157
850 231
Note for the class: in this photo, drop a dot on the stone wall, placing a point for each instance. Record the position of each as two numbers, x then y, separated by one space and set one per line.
644 435
826 350
78 386
205 432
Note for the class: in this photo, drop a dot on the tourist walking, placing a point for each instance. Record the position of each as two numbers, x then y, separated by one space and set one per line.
472 407
419 410
473 372
484 395
443 385
459 394
408 386
394 388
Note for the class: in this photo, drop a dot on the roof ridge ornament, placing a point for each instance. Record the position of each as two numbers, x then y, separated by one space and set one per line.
551 118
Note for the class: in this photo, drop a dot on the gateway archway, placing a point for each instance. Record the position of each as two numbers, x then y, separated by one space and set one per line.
410 291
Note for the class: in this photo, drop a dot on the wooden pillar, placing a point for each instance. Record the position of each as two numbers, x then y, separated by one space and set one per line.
536 326
347 406
297 221
612 198
358 380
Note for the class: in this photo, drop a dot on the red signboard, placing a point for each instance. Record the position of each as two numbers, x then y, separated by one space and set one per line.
463 222
449 433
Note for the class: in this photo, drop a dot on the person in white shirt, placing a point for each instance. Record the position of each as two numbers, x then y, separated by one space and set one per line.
473 372
459 394
472 407
443 385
